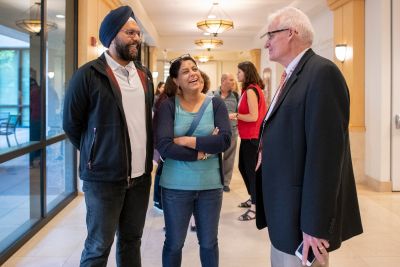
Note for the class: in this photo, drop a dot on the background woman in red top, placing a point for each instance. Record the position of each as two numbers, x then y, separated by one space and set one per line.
251 112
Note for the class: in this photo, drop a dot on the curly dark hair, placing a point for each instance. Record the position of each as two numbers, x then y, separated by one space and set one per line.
251 75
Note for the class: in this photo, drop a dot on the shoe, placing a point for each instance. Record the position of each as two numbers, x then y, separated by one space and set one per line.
247 216
227 188
246 204
158 207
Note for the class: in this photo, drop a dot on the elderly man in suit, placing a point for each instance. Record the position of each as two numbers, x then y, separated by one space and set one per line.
305 186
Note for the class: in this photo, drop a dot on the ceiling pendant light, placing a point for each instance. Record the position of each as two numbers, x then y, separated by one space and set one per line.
203 58
33 23
209 43
217 21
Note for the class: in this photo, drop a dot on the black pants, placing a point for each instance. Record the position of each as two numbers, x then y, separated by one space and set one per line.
247 165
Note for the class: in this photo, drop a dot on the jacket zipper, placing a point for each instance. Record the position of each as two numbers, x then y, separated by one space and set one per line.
92 149
128 175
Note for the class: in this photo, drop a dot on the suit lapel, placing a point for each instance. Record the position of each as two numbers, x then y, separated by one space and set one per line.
292 79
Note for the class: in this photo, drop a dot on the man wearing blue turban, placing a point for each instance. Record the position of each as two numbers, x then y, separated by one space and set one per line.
107 117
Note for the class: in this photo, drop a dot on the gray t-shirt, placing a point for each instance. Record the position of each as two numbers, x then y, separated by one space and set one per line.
231 102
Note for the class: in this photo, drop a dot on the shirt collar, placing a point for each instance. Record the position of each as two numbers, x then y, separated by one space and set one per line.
114 65
293 64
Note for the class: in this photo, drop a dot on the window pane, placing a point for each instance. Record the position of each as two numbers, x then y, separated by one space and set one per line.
60 181
56 67
19 199
23 77
20 89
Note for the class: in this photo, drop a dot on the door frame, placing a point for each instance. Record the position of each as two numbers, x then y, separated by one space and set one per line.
395 105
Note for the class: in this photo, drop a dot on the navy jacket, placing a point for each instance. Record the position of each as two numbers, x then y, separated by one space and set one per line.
306 183
94 121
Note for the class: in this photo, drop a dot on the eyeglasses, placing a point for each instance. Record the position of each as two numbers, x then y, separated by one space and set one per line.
132 33
272 33
185 56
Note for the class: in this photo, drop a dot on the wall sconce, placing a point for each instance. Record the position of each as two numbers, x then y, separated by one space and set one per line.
341 52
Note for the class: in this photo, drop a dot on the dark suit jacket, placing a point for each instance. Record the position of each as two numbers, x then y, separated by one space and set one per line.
306 183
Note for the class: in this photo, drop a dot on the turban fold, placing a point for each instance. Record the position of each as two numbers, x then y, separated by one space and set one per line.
113 22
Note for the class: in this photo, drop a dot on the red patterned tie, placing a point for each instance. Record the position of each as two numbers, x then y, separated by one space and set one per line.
281 83
277 94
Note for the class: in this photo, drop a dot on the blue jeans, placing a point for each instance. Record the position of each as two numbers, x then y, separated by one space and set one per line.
114 208
179 205
157 187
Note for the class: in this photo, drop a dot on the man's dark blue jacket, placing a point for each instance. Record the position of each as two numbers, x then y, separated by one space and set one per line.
94 120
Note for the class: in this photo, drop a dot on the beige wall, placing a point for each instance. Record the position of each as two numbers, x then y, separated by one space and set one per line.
349 29
90 15
378 94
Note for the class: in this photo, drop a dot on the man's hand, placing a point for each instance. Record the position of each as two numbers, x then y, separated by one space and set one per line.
317 245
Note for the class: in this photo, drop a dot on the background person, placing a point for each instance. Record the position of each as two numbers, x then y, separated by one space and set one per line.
206 82
34 119
159 91
192 176
307 190
169 90
107 116
231 98
251 112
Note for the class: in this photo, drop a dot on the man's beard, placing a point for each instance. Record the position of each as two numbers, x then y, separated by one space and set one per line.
123 50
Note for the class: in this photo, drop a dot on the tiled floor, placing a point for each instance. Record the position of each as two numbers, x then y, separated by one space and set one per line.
241 244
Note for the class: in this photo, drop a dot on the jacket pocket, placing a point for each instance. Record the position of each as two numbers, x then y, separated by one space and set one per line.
106 151
92 149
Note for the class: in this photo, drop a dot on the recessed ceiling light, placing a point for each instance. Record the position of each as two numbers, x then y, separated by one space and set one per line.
206 33
60 16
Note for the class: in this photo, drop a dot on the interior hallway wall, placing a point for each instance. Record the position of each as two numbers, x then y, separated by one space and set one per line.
90 15
377 93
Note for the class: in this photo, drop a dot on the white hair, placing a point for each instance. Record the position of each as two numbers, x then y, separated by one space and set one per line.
294 18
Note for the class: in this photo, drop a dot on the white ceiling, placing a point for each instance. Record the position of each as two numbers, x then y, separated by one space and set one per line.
175 21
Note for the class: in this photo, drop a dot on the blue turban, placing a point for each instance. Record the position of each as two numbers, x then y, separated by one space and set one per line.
113 22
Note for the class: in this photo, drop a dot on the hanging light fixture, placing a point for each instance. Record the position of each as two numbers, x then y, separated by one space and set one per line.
209 43
217 21
33 22
203 58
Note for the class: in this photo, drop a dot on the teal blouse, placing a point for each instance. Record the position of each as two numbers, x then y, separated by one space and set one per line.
192 175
